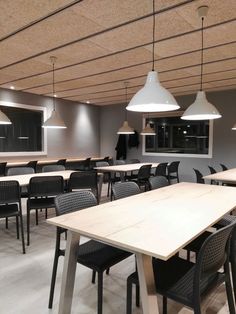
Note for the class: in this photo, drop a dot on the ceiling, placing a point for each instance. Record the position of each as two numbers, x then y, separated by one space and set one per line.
99 44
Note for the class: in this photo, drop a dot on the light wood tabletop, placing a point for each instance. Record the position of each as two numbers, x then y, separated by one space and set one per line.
24 179
227 176
153 224
125 167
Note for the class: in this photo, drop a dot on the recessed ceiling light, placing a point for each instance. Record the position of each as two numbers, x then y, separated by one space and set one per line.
87 102
55 95
12 87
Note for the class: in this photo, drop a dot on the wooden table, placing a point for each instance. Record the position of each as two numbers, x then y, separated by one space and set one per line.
24 179
157 223
125 168
227 176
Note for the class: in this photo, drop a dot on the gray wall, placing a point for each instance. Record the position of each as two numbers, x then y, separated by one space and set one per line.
82 136
224 141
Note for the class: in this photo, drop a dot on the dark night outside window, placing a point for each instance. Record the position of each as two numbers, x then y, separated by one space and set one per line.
176 136
25 134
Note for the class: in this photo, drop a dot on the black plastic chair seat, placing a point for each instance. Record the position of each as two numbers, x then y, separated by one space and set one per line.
41 202
175 280
99 256
9 210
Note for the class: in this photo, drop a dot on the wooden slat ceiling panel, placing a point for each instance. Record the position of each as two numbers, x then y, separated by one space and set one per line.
100 44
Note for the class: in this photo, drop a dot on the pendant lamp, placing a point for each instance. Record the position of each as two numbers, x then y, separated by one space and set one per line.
125 128
201 109
4 119
153 97
148 130
54 121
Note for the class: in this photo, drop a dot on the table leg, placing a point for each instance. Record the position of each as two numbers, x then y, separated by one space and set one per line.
147 284
68 276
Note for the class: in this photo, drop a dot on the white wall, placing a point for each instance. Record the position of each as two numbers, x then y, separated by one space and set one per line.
82 136
224 141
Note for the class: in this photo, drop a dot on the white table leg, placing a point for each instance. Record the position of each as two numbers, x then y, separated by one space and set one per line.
147 284
68 276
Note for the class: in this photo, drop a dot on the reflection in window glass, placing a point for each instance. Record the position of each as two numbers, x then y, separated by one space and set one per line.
177 136
25 134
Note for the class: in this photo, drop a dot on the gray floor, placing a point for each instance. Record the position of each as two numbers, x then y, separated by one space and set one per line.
25 279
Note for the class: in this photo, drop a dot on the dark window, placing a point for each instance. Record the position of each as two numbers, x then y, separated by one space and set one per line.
25 132
177 136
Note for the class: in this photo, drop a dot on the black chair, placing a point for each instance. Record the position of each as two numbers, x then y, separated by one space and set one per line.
133 161
212 171
10 205
173 171
61 162
161 169
19 171
92 254
42 191
199 176
84 180
32 164
51 168
224 168
143 176
157 182
188 283
125 189
3 166
107 159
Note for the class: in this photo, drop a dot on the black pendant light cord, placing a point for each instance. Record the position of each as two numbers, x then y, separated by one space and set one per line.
126 99
202 55
53 85
153 34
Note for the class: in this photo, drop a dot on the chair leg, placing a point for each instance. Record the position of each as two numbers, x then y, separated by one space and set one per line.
36 217
108 271
17 228
233 270
164 304
137 296
129 297
188 255
100 292
229 290
28 226
93 276
46 213
6 222
54 272
22 234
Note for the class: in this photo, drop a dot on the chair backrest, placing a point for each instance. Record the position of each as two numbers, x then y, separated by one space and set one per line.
86 163
124 189
3 168
61 162
133 161
173 167
199 177
50 168
144 172
157 182
19 170
213 253
161 169
83 180
107 158
224 168
46 186
74 201
9 192
102 164
32 164
212 170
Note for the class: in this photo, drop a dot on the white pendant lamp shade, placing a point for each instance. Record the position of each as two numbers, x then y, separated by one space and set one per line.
148 130
201 109
54 122
152 97
234 127
4 119
125 129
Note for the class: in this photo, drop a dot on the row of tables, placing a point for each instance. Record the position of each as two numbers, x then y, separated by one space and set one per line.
152 224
